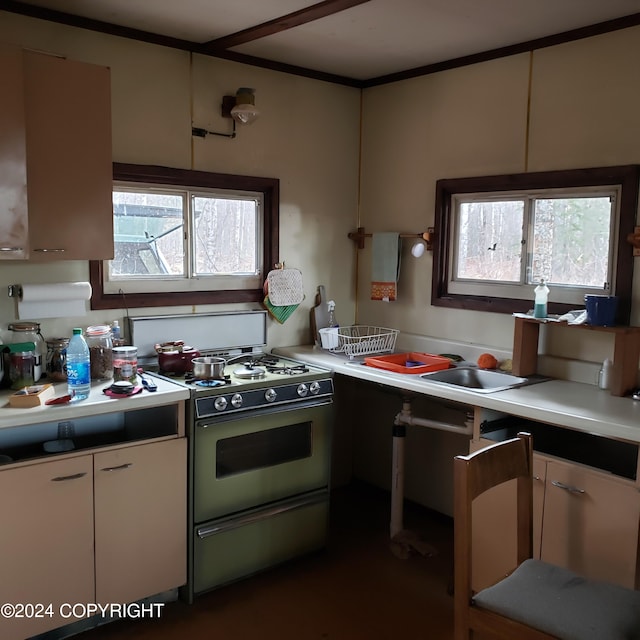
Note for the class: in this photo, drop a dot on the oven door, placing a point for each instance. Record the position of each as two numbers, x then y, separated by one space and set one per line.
252 459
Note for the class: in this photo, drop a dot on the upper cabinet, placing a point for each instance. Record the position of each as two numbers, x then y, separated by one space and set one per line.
55 158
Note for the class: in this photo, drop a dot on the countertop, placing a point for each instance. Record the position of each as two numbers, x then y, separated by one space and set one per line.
573 405
96 403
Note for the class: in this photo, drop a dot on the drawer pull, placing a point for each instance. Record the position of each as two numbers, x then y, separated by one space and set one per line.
126 465
50 250
566 487
75 476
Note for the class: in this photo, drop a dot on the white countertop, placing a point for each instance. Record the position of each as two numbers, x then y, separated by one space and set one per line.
96 403
574 405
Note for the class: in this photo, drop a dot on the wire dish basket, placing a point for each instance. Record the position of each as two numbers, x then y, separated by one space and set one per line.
360 340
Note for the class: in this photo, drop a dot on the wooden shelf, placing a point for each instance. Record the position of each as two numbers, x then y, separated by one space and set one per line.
625 354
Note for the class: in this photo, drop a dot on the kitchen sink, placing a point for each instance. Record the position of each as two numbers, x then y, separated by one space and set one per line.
480 380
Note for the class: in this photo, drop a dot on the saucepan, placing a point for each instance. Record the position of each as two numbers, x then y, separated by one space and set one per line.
208 367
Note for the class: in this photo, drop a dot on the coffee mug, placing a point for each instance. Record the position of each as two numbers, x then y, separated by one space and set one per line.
601 310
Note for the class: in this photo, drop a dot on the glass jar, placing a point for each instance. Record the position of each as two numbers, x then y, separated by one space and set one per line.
30 332
125 364
21 366
57 359
100 352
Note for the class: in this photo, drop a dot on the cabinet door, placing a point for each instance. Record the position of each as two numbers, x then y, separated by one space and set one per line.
140 520
591 523
13 167
46 541
69 158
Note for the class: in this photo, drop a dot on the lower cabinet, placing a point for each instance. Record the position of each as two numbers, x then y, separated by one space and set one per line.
140 520
46 544
591 523
584 519
108 527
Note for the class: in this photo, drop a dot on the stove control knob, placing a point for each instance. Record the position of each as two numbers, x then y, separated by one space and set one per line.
236 400
303 390
314 388
220 403
270 395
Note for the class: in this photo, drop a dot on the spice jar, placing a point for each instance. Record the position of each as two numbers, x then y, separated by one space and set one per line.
57 359
21 364
30 332
125 364
100 352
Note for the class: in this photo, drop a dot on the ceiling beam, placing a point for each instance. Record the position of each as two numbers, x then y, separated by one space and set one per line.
295 19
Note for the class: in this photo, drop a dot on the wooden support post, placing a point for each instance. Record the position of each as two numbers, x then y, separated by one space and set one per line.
525 347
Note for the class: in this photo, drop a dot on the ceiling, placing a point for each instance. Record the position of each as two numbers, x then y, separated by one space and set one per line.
354 42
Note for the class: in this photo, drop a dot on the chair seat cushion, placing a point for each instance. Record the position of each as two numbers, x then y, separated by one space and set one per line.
563 604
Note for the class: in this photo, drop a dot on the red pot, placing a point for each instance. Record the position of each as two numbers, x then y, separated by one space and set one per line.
176 358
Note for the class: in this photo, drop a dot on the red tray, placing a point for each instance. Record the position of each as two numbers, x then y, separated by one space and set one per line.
418 362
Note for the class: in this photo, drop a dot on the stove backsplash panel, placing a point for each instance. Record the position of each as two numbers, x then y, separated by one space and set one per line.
206 332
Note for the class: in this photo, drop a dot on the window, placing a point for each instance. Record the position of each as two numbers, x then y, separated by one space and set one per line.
187 237
498 236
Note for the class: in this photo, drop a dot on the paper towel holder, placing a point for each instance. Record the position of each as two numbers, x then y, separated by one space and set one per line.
15 291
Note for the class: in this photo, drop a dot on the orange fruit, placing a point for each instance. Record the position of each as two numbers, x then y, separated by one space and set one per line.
487 361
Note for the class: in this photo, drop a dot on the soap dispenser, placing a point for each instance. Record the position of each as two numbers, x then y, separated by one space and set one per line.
541 298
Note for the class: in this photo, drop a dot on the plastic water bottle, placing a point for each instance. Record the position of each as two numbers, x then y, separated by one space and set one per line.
115 330
78 366
540 302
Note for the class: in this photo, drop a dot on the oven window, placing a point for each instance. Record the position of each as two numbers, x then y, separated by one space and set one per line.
261 449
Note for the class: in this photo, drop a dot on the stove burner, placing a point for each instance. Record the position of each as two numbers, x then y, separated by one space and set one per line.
189 378
289 370
249 371
210 383
258 359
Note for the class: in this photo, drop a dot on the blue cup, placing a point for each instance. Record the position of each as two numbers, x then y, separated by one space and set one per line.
601 310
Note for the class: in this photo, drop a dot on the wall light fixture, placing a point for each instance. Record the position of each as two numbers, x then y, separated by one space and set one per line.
240 108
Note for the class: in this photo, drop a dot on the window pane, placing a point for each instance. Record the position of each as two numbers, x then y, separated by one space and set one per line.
148 234
571 241
490 240
225 235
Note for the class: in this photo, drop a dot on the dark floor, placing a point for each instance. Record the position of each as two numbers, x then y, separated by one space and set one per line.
358 589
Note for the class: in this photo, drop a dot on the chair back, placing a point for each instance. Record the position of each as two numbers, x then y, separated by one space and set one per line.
473 475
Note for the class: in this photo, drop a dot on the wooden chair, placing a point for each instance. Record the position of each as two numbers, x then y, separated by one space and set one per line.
537 600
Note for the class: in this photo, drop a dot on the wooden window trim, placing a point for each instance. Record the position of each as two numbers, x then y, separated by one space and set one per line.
270 189
627 176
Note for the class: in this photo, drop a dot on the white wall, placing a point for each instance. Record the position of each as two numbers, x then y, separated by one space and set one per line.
307 137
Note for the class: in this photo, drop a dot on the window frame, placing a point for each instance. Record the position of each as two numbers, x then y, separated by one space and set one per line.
627 177
156 175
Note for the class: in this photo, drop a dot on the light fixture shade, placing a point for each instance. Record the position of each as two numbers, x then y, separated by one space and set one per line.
245 111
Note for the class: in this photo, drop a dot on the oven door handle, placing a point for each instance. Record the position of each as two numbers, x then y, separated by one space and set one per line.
235 523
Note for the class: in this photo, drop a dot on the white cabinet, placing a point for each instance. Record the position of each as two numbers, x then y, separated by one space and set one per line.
56 158
108 527
140 520
591 523
46 541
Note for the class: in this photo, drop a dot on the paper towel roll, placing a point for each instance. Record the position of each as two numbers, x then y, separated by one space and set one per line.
60 300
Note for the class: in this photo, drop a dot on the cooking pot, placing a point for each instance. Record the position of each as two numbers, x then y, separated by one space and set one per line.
175 357
208 368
